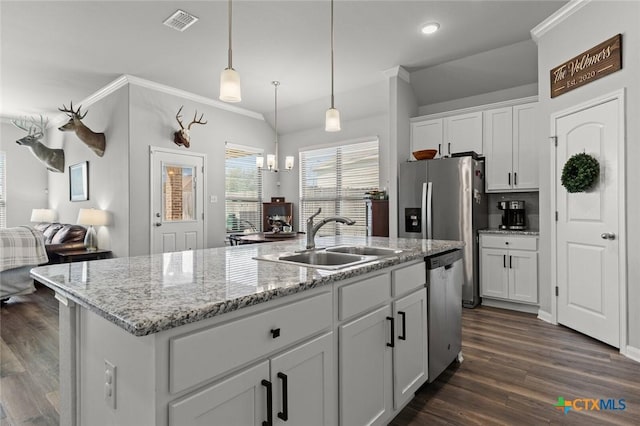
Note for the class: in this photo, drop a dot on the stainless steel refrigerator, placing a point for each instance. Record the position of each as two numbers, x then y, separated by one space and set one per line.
444 199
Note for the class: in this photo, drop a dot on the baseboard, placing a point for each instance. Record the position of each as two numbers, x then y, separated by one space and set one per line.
514 306
632 353
545 316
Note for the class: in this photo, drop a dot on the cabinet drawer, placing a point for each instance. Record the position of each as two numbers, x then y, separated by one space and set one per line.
406 279
509 242
358 297
205 354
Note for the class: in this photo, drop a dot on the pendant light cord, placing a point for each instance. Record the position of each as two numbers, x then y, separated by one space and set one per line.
276 84
230 54
332 103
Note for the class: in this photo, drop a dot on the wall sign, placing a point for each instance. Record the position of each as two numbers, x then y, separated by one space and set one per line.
603 59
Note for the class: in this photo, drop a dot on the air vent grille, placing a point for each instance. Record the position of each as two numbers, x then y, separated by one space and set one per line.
180 20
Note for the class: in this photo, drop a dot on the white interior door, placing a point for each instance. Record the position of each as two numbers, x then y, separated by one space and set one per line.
588 225
177 201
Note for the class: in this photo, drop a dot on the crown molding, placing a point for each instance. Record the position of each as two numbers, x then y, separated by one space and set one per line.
126 79
558 17
398 71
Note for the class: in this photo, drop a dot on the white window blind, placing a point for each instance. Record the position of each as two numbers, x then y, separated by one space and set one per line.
336 179
3 191
243 189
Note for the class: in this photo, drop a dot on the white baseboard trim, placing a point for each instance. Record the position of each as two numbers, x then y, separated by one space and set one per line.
632 353
545 316
514 306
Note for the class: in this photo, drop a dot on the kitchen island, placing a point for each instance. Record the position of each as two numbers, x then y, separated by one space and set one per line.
218 336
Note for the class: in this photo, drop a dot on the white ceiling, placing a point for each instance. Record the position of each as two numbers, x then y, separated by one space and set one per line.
53 52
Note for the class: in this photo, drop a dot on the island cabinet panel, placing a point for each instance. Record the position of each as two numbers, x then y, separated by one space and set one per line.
206 354
238 400
365 369
410 360
363 295
409 278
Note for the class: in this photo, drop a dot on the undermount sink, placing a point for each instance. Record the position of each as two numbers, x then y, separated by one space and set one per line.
365 250
324 258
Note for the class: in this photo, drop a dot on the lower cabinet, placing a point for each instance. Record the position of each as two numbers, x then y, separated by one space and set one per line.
509 268
295 386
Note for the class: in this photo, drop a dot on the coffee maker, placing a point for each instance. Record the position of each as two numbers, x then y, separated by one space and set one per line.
513 215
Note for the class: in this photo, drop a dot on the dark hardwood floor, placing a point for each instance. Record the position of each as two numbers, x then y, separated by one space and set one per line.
515 368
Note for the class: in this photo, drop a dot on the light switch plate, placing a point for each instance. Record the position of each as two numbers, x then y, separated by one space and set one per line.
110 384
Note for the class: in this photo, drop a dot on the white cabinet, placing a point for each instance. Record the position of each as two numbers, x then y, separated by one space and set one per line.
509 268
448 135
510 149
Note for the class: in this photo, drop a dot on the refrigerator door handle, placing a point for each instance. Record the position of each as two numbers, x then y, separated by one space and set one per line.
423 218
429 210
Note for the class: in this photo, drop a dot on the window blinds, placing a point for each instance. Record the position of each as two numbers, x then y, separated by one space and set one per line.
243 189
336 179
3 191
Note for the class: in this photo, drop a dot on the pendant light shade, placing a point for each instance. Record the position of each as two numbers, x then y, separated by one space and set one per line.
229 78
332 116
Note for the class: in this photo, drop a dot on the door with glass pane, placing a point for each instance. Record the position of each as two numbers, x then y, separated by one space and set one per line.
177 201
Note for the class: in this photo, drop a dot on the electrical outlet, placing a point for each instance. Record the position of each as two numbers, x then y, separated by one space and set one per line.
110 384
213 199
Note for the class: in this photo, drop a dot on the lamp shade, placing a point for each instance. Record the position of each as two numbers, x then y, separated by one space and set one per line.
260 162
288 162
230 86
332 122
93 217
43 215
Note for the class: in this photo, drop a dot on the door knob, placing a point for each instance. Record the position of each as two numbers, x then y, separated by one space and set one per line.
608 236
157 224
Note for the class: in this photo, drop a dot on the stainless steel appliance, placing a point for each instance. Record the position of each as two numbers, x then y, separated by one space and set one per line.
444 199
445 275
513 215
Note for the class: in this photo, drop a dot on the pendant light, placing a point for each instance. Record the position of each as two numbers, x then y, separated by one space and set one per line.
229 78
272 160
332 116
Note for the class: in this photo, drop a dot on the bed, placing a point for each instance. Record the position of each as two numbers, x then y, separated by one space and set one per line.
21 248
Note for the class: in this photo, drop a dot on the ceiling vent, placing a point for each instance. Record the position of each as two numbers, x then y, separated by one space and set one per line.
180 20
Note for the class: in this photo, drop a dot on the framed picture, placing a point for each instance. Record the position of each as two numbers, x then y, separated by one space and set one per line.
79 182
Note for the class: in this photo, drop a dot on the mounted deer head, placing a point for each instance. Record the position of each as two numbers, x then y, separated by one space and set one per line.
52 158
95 141
182 137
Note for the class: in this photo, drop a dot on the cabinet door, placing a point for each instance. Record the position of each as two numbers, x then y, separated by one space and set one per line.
426 135
410 352
525 152
494 273
498 138
463 133
238 400
523 276
307 373
365 369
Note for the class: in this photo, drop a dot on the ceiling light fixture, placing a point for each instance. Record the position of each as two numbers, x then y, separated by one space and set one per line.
430 28
272 160
332 116
229 78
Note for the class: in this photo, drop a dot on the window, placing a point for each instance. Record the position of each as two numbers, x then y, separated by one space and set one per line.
3 191
336 179
243 189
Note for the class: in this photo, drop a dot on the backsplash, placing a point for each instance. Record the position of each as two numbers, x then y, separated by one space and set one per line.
531 206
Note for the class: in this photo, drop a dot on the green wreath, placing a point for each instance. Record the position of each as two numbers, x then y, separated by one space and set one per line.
580 172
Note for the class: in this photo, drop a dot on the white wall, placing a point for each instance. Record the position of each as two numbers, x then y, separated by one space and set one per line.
108 175
153 123
27 184
592 24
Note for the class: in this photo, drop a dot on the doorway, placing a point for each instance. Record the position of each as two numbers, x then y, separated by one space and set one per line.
177 220
588 228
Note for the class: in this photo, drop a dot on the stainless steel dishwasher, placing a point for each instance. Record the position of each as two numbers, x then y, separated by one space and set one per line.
445 276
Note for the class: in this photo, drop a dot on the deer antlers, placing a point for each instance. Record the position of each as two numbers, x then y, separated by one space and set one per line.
71 113
31 127
181 137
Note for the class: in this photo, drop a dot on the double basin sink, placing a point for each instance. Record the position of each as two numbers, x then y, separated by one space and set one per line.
333 257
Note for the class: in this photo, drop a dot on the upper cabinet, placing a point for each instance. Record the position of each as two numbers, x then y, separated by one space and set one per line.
511 157
448 135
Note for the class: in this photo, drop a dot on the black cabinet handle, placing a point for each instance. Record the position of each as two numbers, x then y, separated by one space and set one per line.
269 387
440 150
509 178
284 414
275 332
515 178
504 260
449 148
404 325
393 331
510 266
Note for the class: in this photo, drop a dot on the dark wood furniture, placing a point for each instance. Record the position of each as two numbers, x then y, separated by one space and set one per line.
284 210
378 218
82 255
262 237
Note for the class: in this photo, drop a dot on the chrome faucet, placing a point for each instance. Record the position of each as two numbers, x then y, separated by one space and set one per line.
312 229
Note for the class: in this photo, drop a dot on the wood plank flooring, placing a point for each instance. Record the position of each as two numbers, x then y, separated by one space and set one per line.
515 368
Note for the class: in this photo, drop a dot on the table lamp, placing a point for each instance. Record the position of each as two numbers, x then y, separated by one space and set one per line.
43 215
92 217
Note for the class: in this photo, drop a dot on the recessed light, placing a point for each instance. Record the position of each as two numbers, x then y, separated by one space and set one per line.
430 28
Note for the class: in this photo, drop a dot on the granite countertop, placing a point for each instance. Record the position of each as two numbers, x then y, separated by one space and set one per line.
508 232
149 294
